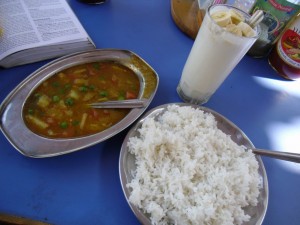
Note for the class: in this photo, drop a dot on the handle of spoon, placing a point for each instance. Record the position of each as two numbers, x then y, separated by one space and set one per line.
125 104
288 156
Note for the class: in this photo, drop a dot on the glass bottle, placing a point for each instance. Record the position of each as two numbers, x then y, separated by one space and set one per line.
285 57
277 14
245 5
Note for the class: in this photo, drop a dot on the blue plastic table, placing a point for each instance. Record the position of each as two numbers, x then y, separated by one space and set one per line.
84 187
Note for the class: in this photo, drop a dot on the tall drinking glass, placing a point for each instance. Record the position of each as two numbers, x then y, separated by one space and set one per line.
213 56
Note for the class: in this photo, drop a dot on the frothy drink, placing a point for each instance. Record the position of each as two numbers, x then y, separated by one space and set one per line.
222 41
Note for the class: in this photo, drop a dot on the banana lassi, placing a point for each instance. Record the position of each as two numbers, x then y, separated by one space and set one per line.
222 41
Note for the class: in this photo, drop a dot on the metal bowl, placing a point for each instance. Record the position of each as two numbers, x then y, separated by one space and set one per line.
127 162
33 145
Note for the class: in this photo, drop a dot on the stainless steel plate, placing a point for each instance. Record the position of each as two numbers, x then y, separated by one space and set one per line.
127 162
33 145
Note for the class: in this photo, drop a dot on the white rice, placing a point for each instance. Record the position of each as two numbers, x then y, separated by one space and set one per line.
190 172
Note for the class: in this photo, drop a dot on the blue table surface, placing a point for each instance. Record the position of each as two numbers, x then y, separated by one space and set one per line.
84 187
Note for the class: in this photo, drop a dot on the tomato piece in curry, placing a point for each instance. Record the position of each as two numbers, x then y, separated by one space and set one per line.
58 107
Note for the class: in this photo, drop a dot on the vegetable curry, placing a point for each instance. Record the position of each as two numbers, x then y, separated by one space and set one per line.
58 107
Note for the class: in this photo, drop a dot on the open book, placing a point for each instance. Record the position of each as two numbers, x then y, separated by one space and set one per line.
37 30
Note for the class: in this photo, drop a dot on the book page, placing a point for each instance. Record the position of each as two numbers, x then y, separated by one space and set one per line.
34 23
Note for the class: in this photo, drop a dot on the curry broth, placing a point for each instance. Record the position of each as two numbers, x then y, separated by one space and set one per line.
58 107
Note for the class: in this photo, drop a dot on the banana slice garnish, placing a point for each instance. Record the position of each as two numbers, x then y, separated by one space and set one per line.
234 29
222 18
236 17
234 22
246 29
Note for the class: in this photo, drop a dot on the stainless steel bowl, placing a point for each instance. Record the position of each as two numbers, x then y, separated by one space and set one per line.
127 162
33 145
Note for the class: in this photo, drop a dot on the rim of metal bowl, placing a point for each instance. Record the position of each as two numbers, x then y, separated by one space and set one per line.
33 145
